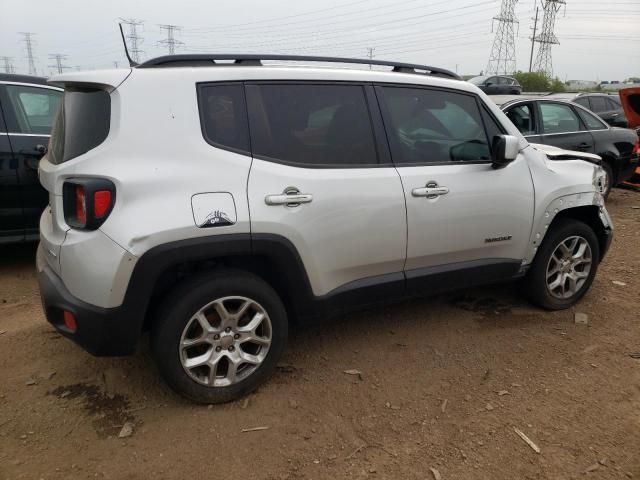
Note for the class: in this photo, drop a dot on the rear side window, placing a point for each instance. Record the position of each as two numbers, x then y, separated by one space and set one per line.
592 122
82 123
599 104
223 116
311 124
558 118
432 126
34 108
584 101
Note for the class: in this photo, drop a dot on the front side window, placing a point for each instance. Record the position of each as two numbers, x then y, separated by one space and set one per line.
311 124
432 126
592 122
523 117
35 108
223 116
559 118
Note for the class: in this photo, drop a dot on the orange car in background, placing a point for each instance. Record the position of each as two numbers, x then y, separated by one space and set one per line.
630 98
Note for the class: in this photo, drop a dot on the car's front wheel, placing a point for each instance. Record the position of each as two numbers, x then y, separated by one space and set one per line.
564 266
219 336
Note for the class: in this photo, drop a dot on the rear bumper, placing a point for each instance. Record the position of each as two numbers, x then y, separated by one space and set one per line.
100 331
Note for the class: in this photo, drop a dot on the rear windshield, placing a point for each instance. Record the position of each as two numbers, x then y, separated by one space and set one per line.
82 123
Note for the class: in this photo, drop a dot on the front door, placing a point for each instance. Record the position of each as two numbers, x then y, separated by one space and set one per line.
467 222
30 115
320 179
562 127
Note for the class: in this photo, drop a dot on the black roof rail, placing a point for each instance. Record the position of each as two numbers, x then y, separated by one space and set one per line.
209 59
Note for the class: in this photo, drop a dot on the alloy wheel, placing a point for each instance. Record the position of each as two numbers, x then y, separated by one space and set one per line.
225 341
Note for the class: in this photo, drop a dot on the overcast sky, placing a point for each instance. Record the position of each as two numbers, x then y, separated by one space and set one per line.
599 40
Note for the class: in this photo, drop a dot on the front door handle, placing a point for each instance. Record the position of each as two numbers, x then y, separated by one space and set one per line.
583 146
432 190
291 197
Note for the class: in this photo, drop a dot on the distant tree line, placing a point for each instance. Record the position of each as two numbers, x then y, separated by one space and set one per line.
539 82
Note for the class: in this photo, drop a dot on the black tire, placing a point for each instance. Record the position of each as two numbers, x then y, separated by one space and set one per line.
535 283
184 302
610 180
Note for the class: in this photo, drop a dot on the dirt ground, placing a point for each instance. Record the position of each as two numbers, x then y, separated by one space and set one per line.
445 382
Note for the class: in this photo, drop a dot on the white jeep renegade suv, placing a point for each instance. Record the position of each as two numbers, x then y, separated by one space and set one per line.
213 203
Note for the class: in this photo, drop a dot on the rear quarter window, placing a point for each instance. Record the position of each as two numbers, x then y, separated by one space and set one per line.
223 116
82 123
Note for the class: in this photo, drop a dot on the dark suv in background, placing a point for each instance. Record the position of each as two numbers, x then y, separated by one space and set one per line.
607 107
497 85
27 109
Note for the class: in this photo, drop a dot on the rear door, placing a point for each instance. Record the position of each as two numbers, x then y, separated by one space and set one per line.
11 224
562 127
31 112
475 224
320 179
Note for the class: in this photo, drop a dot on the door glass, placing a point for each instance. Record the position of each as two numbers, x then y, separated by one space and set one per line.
35 108
584 101
599 104
592 122
558 118
430 126
224 116
321 125
522 117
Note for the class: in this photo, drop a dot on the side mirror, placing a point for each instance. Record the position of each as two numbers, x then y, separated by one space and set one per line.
488 84
504 150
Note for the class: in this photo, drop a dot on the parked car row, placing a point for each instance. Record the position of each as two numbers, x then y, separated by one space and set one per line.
569 125
28 106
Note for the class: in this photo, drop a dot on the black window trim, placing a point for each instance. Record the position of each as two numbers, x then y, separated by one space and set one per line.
382 150
386 114
199 88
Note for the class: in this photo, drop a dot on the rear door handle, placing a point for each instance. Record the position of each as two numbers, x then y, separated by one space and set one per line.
291 197
583 146
432 190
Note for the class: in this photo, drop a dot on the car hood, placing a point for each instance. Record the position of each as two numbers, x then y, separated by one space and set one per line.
555 153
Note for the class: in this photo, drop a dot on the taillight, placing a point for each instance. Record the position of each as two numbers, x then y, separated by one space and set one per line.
87 202
101 203
636 148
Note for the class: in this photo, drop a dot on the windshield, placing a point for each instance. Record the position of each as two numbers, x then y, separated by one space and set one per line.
477 80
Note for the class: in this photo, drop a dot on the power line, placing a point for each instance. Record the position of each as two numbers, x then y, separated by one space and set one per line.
59 58
133 37
8 64
503 53
170 42
547 37
29 43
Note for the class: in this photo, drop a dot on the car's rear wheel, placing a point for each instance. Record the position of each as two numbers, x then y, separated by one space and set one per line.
564 266
219 336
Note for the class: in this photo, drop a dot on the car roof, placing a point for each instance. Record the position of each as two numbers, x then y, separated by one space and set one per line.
13 77
505 100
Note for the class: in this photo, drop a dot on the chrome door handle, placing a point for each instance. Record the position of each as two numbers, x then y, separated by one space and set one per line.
432 190
290 197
